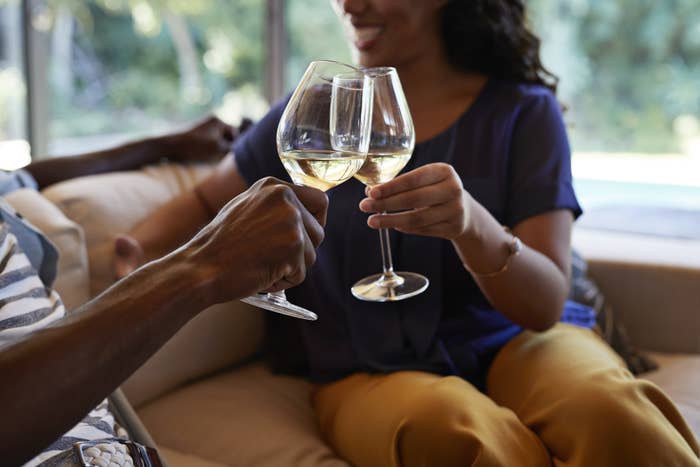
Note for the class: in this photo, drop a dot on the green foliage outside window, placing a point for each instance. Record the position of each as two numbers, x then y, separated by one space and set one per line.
130 65
630 69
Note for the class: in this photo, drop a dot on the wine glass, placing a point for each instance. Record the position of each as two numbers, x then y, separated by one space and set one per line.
322 140
391 145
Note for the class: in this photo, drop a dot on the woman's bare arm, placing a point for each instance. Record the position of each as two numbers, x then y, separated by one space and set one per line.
431 201
178 220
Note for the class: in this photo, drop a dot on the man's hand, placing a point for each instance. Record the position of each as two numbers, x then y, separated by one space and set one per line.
207 140
262 240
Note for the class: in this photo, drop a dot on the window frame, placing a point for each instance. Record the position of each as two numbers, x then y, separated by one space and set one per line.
34 45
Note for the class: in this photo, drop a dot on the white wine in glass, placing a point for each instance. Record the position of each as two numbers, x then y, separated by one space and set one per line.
322 140
381 167
321 169
391 144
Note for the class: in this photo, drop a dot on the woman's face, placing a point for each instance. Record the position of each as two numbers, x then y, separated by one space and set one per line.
390 32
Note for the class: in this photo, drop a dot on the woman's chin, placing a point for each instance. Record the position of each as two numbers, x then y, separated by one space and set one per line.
368 60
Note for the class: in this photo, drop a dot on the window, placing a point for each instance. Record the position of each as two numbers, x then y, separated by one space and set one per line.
108 70
325 42
14 148
116 68
629 77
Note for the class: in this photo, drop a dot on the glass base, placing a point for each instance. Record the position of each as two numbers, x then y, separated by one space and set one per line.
278 303
390 288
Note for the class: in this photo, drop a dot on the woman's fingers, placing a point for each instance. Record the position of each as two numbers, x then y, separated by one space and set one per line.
424 196
128 255
428 185
429 200
426 175
447 220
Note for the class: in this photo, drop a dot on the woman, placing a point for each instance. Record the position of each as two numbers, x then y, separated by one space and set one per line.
490 366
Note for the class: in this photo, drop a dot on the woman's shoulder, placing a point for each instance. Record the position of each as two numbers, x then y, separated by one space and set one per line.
510 102
516 93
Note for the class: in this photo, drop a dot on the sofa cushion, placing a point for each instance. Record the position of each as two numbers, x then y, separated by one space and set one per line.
219 337
178 459
248 417
72 278
651 283
584 290
679 376
223 418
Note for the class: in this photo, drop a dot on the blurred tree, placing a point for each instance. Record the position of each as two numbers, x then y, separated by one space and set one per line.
629 68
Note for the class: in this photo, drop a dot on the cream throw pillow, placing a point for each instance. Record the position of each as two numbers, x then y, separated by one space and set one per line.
72 278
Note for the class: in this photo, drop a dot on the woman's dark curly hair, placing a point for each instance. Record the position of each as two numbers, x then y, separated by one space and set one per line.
491 37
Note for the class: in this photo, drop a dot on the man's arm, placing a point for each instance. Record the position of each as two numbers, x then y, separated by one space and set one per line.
263 239
206 140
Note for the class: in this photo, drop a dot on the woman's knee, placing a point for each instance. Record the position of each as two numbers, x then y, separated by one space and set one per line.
626 419
450 423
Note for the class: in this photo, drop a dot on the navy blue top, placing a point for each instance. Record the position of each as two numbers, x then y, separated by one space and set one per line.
511 151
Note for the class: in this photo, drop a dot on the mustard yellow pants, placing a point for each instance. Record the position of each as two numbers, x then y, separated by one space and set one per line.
560 398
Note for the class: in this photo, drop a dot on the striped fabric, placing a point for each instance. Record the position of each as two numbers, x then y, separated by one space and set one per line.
26 305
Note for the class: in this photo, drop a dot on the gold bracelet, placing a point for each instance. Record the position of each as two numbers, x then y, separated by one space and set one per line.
514 248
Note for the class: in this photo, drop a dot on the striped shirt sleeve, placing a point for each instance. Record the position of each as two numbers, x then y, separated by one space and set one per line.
27 305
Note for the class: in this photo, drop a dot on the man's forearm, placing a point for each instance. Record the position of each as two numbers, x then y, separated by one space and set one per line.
125 157
49 379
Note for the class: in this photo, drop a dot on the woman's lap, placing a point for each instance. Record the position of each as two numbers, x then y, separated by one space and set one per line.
570 387
563 389
417 419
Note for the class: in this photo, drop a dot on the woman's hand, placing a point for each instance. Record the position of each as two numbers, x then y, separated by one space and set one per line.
429 200
128 256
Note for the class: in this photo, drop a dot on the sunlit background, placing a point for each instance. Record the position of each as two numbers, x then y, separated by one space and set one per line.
108 70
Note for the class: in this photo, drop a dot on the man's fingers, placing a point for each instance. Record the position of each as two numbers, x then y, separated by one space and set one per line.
228 133
312 227
315 201
295 271
245 124
224 145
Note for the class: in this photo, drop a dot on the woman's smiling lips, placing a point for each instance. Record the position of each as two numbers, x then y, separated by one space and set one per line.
364 36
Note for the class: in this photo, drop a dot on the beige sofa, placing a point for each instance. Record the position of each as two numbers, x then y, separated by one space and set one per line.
208 401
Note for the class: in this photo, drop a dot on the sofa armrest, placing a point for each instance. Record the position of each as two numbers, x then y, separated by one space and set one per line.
104 205
651 283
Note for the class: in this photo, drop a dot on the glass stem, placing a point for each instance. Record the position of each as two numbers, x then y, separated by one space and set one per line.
389 277
278 296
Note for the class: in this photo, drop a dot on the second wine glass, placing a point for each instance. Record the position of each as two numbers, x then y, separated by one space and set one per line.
391 145
322 140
